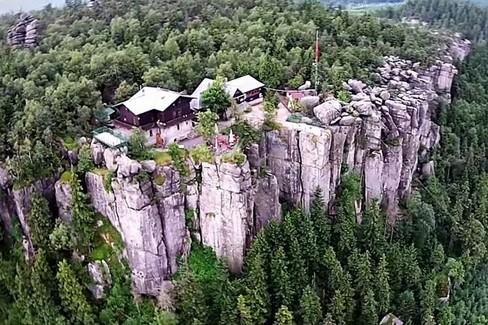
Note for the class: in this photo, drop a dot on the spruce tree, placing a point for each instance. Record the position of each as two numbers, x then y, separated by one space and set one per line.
338 309
283 317
368 308
281 281
321 224
83 217
382 286
310 308
256 290
73 299
40 221
192 306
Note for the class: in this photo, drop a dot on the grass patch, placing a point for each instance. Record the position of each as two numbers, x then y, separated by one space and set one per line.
234 157
107 181
70 143
107 241
202 153
66 177
161 158
101 171
159 180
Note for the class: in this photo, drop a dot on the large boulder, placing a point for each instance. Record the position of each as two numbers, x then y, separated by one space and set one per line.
357 86
310 102
327 111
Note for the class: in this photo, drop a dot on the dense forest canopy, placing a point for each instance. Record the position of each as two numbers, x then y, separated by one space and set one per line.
310 269
89 56
463 16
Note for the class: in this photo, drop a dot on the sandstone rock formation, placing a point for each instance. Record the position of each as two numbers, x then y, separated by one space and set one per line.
24 33
382 134
148 214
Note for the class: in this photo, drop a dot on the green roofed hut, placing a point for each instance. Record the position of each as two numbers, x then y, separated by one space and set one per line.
109 138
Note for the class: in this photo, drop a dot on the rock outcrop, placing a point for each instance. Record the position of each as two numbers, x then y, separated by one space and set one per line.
24 33
382 134
148 211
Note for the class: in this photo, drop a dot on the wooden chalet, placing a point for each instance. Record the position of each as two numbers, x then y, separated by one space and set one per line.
243 89
164 114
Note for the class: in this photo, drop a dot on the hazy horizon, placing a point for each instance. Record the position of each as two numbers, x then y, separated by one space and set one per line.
26 5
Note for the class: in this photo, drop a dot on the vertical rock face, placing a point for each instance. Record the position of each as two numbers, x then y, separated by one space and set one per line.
24 33
299 156
226 210
63 200
381 134
148 214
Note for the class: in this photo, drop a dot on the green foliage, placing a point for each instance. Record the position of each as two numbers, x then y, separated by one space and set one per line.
72 296
107 242
85 162
107 181
66 177
137 145
60 238
234 157
283 317
83 217
247 133
161 158
41 222
206 124
310 309
179 156
215 98
201 153
344 96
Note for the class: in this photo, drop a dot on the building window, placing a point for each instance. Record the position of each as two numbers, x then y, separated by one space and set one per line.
178 126
150 133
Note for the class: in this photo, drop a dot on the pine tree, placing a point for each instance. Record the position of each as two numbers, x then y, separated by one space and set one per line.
427 302
256 290
192 307
329 320
85 162
310 309
320 222
368 308
42 294
72 297
40 221
244 310
345 228
383 291
281 282
283 317
337 308
83 217
373 230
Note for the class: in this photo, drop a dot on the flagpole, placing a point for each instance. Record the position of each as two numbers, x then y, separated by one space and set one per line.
317 53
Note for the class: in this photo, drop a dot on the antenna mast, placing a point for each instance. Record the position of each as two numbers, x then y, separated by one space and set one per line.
316 63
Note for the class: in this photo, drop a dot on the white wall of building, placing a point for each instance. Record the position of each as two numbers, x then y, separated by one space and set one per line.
169 134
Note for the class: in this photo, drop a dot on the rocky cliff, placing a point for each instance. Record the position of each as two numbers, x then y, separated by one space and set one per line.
385 132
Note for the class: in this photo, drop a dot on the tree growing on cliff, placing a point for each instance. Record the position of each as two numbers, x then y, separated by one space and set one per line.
40 221
83 217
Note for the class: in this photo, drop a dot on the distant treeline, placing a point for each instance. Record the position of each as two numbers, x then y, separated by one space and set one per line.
468 17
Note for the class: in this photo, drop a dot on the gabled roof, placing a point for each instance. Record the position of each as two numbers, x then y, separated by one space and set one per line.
204 85
151 98
244 84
